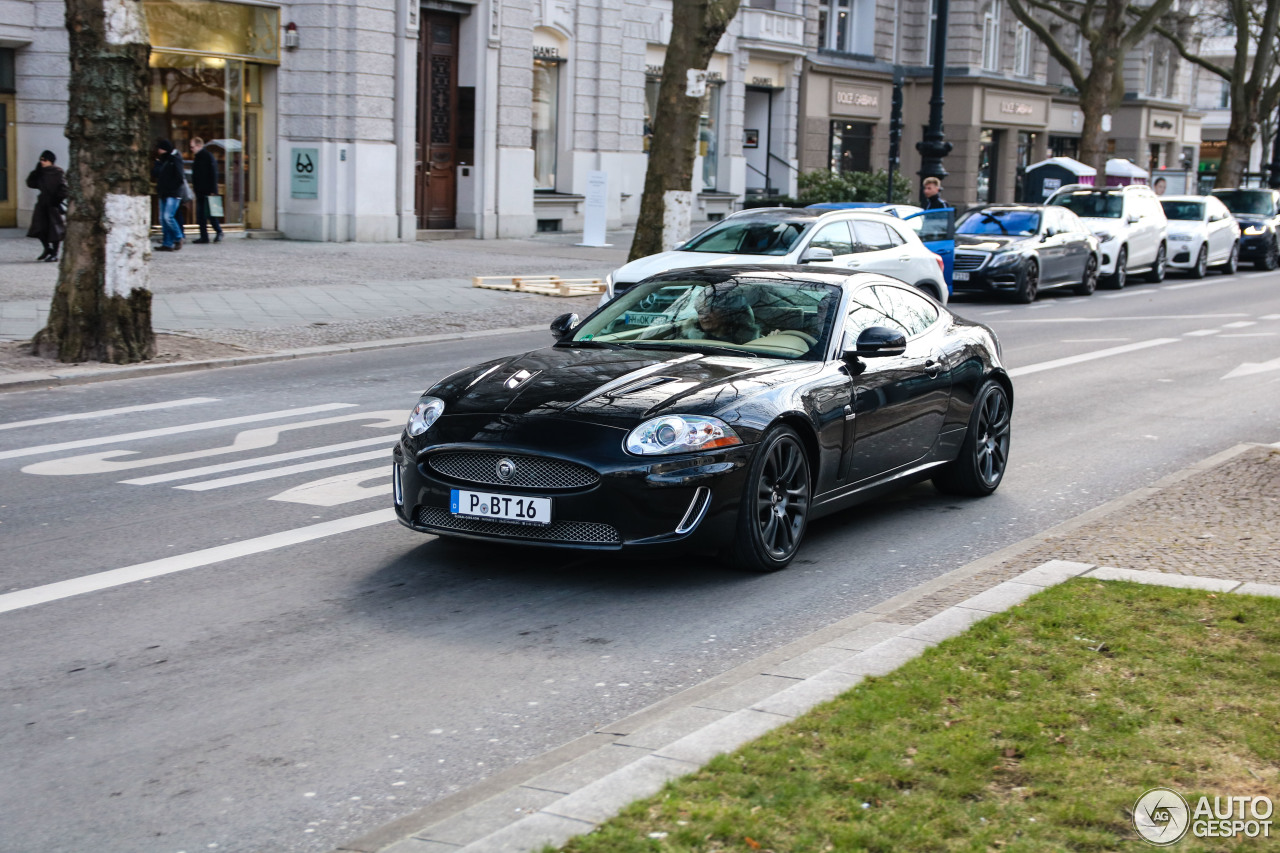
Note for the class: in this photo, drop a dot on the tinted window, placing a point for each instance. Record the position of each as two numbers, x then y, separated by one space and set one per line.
1248 202
1192 211
834 236
1022 222
871 236
747 237
911 311
1092 205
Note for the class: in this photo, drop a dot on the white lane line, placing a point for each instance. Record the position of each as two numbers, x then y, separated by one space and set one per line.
153 433
188 473
1093 340
1124 318
103 413
1189 284
994 313
1270 317
180 562
1089 356
1253 335
1239 324
1200 333
1124 295
287 470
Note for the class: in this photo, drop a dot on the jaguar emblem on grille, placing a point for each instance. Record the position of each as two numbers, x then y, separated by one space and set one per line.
506 469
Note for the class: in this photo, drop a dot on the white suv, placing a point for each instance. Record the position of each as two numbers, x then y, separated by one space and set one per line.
1130 225
855 240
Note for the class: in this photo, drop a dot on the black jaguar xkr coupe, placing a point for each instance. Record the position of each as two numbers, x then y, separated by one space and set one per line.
716 410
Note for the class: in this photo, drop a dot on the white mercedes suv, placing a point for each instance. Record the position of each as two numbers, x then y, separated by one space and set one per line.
1130 225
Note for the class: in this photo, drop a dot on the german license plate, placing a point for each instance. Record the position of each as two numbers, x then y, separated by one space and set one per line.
960 276
514 509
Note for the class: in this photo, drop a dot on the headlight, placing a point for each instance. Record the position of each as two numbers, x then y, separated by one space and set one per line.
680 434
1254 230
1004 259
1104 236
427 412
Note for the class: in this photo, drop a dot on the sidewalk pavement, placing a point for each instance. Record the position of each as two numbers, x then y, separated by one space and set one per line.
1212 526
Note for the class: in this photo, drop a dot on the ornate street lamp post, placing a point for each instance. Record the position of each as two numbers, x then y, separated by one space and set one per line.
934 147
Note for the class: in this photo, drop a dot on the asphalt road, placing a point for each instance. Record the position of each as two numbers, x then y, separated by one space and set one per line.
269 663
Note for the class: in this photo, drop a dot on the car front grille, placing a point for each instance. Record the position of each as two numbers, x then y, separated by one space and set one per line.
532 472
567 532
969 260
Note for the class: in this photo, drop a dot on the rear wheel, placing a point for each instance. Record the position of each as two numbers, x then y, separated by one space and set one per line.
1089 282
1030 284
1120 277
775 504
980 467
1201 269
1271 259
1229 266
1156 275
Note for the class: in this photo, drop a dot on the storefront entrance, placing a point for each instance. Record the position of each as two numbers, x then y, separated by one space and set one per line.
435 196
8 166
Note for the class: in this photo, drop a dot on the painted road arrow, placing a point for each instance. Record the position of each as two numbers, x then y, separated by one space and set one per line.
1249 368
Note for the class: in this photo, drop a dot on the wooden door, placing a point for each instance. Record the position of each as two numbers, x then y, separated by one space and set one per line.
437 140
8 167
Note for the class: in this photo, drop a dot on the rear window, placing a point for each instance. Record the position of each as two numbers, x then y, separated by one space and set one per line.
1092 205
1250 203
1192 211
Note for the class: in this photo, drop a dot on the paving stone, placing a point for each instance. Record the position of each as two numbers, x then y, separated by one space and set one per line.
722 736
747 693
672 727
586 769
1000 597
802 697
489 816
1108 573
602 799
811 662
1053 572
417 845
1258 589
868 635
532 833
884 658
949 623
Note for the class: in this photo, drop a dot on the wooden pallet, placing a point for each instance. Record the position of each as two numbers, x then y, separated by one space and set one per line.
545 285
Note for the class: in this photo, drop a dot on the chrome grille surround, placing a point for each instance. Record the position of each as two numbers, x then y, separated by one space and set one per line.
568 532
531 472
965 261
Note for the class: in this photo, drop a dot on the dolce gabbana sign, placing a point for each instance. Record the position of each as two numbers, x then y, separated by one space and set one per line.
850 100
1015 108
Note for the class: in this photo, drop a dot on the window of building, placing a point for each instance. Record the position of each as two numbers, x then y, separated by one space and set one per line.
933 32
847 26
652 83
546 122
1026 151
1022 50
991 36
1224 96
1064 146
709 137
851 146
988 162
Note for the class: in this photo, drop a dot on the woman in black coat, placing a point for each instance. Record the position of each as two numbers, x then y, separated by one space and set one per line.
48 220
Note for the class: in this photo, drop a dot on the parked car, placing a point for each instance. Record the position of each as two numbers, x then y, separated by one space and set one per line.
1130 226
1258 213
1202 234
1017 250
762 398
936 228
854 240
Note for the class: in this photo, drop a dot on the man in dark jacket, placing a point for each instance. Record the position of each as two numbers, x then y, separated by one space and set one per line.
48 221
933 199
204 180
169 173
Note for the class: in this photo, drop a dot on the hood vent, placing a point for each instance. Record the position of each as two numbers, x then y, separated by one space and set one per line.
640 385
520 377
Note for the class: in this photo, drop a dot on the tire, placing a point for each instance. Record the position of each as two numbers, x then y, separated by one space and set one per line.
1120 277
1271 259
1089 283
1232 263
1029 286
1201 269
1156 275
774 511
980 467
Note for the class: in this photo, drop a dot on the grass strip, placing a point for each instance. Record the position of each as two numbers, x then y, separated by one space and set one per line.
1036 730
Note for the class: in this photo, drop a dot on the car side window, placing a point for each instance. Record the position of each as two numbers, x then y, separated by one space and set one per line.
1050 223
871 236
910 311
865 312
834 236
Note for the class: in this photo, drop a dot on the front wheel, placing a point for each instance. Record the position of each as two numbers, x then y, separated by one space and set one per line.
980 467
1121 276
775 504
1271 259
1089 282
1201 269
1030 284
1229 266
1156 275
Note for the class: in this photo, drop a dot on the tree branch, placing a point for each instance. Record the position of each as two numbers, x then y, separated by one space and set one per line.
1056 50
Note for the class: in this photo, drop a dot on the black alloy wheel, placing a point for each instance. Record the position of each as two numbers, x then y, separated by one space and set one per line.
1271 259
1229 266
980 467
1089 282
1156 275
1029 286
775 504
1120 277
1201 269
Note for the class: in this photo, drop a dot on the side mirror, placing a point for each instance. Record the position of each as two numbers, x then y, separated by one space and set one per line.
877 342
817 255
1131 219
563 325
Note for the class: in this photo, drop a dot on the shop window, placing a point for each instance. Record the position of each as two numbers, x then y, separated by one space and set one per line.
1064 146
652 83
8 80
546 122
991 36
851 146
847 26
988 162
1026 149
709 137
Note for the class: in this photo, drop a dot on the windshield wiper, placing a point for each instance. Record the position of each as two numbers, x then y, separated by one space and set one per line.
690 346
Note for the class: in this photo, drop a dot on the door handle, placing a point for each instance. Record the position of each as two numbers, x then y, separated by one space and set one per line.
904 259
933 367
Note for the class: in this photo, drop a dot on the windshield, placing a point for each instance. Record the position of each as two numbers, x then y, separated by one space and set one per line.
1192 211
1092 205
1246 202
775 318
1017 222
748 236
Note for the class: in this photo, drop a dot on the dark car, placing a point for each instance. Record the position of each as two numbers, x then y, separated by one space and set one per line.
1258 212
761 398
1018 250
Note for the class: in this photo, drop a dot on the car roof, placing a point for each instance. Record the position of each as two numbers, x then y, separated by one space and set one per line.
1182 198
803 214
1217 191
767 272
1076 188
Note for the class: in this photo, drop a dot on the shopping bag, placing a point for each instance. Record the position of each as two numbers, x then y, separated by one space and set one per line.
215 206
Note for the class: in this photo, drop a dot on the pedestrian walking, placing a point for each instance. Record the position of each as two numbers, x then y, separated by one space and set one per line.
49 219
204 180
169 173
932 190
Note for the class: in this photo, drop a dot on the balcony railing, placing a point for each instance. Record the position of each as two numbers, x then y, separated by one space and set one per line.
782 30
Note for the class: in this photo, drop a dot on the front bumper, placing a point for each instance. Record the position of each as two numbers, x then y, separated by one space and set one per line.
611 501
1183 253
1254 247
983 278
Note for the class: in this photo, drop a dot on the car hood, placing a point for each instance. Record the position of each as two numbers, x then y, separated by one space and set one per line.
642 268
1251 219
990 242
613 387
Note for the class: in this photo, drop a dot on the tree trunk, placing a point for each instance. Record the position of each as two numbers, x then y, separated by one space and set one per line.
101 309
1241 133
666 208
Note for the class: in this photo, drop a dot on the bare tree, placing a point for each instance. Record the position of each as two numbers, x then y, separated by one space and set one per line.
101 309
1251 77
666 207
1109 32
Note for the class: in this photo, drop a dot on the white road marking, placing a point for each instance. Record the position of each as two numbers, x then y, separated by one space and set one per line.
1253 335
175 430
1124 295
1092 340
342 489
1124 318
1089 356
1207 281
1239 324
1249 368
250 439
318 465
189 473
1270 317
994 313
1200 333
195 559
104 413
